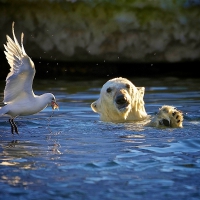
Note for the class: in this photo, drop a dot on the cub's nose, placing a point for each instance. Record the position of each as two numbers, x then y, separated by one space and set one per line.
120 99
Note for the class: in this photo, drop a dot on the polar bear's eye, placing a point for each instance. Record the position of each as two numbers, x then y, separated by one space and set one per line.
127 86
109 90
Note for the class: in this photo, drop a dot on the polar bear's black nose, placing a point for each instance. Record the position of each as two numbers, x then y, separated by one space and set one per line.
121 99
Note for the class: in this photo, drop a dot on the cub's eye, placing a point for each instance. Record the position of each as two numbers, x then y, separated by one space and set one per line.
127 86
109 90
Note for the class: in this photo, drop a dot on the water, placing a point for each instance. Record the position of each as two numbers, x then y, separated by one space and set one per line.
70 154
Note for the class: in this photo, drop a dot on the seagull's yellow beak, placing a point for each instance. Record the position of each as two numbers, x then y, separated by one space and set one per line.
54 105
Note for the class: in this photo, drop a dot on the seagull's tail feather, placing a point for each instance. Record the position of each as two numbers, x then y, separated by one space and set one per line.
3 110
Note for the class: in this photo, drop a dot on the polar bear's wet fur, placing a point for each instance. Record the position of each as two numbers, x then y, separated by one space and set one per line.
121 101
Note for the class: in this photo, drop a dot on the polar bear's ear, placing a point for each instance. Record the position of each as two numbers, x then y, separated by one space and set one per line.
95 106
141 91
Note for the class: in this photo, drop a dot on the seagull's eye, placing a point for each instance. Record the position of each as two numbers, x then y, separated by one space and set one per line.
53 99
127 86
108 90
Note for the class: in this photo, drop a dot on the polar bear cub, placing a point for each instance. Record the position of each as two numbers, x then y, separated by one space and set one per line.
121 101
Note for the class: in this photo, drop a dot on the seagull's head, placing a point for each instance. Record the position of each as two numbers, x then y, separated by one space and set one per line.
52 101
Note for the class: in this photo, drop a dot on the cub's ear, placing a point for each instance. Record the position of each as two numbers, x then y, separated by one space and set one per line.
96 106
141 91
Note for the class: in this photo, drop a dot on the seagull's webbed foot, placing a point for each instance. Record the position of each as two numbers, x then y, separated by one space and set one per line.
13 126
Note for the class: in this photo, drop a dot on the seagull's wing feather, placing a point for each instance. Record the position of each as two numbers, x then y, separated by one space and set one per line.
22 69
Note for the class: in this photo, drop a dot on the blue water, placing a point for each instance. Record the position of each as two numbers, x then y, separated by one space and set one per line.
71 154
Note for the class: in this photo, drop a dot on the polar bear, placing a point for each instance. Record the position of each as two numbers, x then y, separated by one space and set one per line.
121 101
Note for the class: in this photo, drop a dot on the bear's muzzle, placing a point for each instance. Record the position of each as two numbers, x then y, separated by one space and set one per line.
121 101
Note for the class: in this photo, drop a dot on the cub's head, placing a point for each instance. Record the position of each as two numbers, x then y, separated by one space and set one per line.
118 99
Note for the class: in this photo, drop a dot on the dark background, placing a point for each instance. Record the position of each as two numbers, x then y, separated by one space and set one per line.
181 27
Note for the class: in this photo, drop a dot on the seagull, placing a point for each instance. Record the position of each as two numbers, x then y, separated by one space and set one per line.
19 97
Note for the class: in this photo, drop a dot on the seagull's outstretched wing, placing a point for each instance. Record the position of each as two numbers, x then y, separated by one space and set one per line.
22 70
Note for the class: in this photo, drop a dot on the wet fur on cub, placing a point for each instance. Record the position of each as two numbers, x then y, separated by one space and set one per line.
121 101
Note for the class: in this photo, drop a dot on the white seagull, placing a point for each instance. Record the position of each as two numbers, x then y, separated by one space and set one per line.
18 92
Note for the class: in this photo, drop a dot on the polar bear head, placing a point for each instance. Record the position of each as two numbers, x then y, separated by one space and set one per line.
120 101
